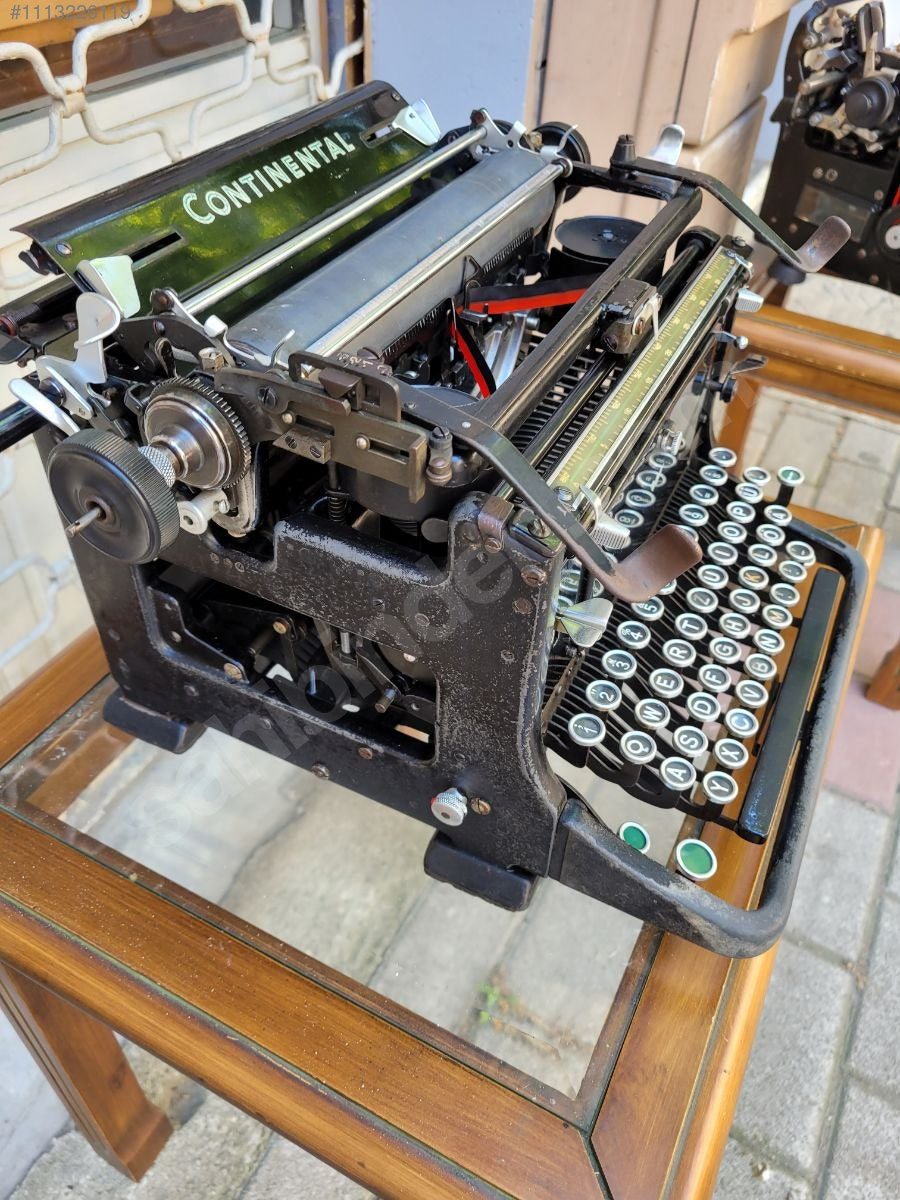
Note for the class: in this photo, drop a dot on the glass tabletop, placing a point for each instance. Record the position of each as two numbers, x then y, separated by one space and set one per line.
340 878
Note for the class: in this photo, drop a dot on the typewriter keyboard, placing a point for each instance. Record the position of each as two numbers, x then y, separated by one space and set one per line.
673 702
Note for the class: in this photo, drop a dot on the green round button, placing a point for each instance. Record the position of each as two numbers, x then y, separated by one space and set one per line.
695 859
635 835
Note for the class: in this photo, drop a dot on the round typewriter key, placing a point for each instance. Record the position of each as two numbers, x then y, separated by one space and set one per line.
690 530
652 713
668 588
785 594
650 479
637 747
702 600
586 729
771 535
741 512
633 634
724 650
776 617
719 787
734 625
690 741
769 641
754 577
792 571
635 836
722 553
691 626
714 677
732 531
677 773
603 694
665 683
650 610
744 601
748 492
629 517
751 693
760 666
695 860
777 514
711 575
619 664
662 460
731 753
694 515
678 652
714 475
801 552
758 475
722 456
791 477
640 498
741 722
703 706
702 493
763 556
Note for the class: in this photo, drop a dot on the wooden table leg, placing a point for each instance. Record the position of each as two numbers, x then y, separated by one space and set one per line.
885 686
85 1065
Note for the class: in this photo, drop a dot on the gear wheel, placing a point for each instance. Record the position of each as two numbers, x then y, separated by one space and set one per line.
199 428
138 513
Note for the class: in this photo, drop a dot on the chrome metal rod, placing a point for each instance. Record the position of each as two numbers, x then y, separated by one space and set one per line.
281 253
87 518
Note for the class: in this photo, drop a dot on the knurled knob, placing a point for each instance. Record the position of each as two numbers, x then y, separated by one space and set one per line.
450 806
138 514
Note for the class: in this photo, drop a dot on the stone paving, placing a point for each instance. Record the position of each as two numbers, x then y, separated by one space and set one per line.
819 1113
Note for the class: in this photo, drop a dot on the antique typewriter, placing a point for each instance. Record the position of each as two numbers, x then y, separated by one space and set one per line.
839 147
371 461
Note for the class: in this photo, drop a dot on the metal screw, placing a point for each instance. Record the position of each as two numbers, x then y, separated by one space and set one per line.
831 175
480 807
233 671
366 752
522 605
320 771
878 194
538 528
818 173
288 418
63 248
190 690
493 545
873 279
534 576
507 656
280 626
409 657
315 451
362 443
175 636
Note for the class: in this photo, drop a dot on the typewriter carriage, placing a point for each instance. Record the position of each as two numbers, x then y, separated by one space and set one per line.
354 551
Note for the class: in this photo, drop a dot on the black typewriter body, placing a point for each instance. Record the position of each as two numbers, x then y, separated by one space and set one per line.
372 461
839 145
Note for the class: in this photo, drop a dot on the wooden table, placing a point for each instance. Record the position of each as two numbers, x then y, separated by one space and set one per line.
91 942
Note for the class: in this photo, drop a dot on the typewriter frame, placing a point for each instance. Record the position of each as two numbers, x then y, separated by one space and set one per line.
532 821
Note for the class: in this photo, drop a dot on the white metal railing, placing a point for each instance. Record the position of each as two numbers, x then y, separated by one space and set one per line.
68 96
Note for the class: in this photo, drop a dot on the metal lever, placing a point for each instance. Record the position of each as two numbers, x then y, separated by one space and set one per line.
668 147
812 256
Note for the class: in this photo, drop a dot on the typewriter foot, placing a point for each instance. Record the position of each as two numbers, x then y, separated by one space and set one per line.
512 889
166 732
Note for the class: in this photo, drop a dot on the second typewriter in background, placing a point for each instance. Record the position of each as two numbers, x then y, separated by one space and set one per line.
371 460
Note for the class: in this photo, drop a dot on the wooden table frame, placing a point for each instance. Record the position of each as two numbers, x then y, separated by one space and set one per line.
90 942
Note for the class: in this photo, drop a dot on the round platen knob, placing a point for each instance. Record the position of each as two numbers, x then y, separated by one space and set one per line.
450 806
112 496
